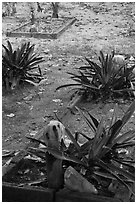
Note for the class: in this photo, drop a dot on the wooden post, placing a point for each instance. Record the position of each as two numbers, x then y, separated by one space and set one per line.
54 172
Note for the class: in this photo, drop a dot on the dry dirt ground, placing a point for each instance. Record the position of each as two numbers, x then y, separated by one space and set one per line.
99 26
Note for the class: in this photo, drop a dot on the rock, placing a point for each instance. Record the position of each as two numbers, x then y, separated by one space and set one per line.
57 100
119 59
11 115
120 191
74 181
33 133
46 51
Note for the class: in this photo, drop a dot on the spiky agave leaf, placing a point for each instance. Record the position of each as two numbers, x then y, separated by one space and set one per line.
85 136
108 68
116 128
125 137
98 71
85 68
55 152
101 145
122 171
64 156
95 121
126 163
105 175
128 113
84 149
114 172
37 140
67 85
98 141
126 144
89 123
117 81
37 152
8 50
25 55
74 141
102 58
32 65
20 53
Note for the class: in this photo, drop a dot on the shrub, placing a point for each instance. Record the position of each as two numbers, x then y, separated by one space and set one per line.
17 65
103 157
103 81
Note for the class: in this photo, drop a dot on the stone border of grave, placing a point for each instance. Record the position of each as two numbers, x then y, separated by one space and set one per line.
15 32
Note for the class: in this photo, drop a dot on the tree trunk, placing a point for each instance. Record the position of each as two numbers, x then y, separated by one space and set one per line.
55 7
32 15
39 8
13 9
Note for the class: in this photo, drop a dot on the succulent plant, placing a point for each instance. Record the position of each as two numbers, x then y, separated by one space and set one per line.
107 80
17 65
104 156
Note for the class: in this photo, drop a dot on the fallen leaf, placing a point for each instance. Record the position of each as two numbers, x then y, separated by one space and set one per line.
8 153
28 97
31 183
26 171
19 103
34 158
31 107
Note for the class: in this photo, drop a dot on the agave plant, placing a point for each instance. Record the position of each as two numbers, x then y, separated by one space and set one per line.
103 156
103 81
104 153
17 65
54 153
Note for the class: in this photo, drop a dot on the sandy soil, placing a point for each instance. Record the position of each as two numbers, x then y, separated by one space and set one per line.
99 26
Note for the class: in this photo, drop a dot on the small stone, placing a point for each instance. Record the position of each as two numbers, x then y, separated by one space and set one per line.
19 103
33 133
56 100
11 115
111 110
46 51
74 181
